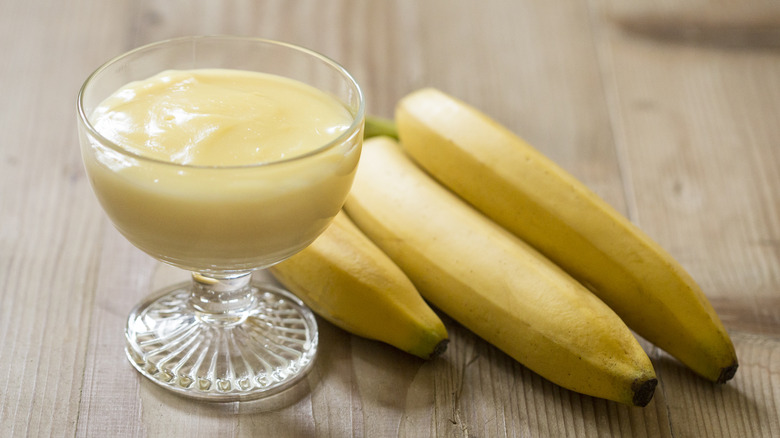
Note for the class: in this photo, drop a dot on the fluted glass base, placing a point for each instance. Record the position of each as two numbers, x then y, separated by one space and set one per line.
222 339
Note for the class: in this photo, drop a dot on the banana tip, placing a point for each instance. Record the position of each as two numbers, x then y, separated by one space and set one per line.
643 391
727 373
439 349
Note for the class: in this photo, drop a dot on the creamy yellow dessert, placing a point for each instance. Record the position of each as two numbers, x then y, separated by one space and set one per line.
221 169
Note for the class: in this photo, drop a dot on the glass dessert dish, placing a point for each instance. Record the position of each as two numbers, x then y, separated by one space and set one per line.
222 336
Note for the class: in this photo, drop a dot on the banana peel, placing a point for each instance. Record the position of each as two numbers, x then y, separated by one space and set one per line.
494 284
346 279
523 191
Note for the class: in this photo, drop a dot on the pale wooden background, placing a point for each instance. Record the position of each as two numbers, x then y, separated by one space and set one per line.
668 109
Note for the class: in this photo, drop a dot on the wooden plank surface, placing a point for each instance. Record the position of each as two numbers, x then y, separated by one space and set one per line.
666 109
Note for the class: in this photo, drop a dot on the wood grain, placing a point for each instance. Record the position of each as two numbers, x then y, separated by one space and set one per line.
704 162
666 109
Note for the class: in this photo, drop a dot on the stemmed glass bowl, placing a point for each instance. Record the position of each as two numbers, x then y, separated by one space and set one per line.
221 336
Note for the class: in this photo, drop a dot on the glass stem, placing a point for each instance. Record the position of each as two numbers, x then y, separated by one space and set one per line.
222 299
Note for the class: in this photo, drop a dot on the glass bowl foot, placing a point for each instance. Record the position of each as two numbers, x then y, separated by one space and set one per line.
256 352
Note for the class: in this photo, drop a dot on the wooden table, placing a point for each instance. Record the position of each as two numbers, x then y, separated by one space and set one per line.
668 109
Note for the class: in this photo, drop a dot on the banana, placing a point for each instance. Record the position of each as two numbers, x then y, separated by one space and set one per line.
347 280
516 186
494 284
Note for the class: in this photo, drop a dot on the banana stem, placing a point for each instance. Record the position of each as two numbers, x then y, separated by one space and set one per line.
379 126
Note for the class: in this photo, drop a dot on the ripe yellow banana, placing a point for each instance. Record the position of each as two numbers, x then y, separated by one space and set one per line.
494 284
515 185
347 280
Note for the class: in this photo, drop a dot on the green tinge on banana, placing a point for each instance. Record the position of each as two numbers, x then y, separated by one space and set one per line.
379 126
